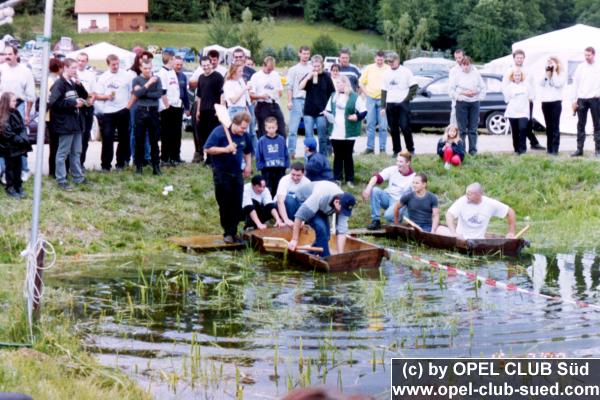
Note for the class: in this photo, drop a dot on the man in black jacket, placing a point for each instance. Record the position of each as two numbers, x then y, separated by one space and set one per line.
147 90
66 99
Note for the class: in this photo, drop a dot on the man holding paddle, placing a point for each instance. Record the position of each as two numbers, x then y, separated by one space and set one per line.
319 201
473 212
229 145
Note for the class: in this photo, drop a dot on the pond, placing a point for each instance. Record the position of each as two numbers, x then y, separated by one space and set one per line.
217 325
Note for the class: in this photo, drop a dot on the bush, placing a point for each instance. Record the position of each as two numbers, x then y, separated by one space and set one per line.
363 54
267 51
325 46
287 53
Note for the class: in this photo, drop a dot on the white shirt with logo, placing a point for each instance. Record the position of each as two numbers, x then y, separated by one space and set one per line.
170 83
287 186
269 84
473 219
397 83
118 83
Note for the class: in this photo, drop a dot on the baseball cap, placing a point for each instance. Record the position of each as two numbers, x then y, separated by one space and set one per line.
311 143
348 202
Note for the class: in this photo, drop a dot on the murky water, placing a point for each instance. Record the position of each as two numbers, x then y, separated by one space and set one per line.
188 326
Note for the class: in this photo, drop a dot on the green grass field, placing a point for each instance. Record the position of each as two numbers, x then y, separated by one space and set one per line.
294 32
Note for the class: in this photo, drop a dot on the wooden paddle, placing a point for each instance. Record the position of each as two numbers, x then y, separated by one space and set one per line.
223 117
278 244
522 232
411 223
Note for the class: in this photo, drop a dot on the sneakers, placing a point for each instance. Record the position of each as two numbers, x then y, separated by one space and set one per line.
375 225
446 165
369 151
25 176
537 146
11 192
156 170
3 178
350 184
232 239
65 186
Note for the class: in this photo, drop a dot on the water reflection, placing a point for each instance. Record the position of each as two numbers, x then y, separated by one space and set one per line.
210 320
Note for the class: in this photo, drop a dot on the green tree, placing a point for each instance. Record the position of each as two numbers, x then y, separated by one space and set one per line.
493 27
325 46
355 14
221 27
250 32
398 34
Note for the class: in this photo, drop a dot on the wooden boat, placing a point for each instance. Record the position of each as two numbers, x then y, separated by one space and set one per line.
205 243
491 245
357 254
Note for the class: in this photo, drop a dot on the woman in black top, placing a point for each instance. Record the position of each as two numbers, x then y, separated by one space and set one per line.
13 143
319 88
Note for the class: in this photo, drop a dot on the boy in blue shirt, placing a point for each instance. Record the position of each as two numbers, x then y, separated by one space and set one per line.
272 156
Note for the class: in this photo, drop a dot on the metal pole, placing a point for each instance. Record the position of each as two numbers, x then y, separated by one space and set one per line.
39 159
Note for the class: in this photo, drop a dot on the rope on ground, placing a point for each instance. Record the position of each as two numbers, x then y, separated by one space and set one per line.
30 291
509 287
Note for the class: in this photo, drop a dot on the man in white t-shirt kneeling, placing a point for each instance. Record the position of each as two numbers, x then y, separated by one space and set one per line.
258 204
287 203
473 212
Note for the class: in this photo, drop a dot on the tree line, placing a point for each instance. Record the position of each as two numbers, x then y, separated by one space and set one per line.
484 28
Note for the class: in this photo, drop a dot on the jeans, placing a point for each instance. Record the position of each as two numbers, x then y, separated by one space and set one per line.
518 127
343 163
583 105
467 116
552 110
373 118
320 223
132 112
294 122
69 146
229 190
381 199
321 124
398 118
292 204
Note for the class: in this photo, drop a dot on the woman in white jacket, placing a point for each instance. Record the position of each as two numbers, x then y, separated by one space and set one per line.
517 95
550 94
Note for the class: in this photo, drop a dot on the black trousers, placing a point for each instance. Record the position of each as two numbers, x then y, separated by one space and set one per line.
13 172
263 211
272 177
529 129
229 189
552 110
117 122
398 118
146 120
207 122
518 127
583 105
170 134
342 159
53 139
263 111
88 117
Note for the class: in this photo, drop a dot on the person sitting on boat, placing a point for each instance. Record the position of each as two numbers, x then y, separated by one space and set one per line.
421 205
400 177
473 212
317 165
451 148
319 201
287 203
258 204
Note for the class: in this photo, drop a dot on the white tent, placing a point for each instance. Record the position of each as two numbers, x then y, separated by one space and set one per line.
101 50
422 64
568 45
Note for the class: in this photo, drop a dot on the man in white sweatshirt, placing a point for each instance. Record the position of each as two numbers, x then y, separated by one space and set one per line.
586 89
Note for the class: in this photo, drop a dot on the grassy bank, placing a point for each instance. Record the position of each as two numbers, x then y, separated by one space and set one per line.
294 32
121 213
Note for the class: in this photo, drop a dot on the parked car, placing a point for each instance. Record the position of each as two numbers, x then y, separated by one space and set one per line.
329 61
431 106
187 54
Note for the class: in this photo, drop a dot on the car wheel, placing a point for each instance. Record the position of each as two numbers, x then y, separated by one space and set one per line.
497 124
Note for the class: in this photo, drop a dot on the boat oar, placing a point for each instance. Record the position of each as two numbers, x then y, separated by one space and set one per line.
411 223
278 244
224 119
522 232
